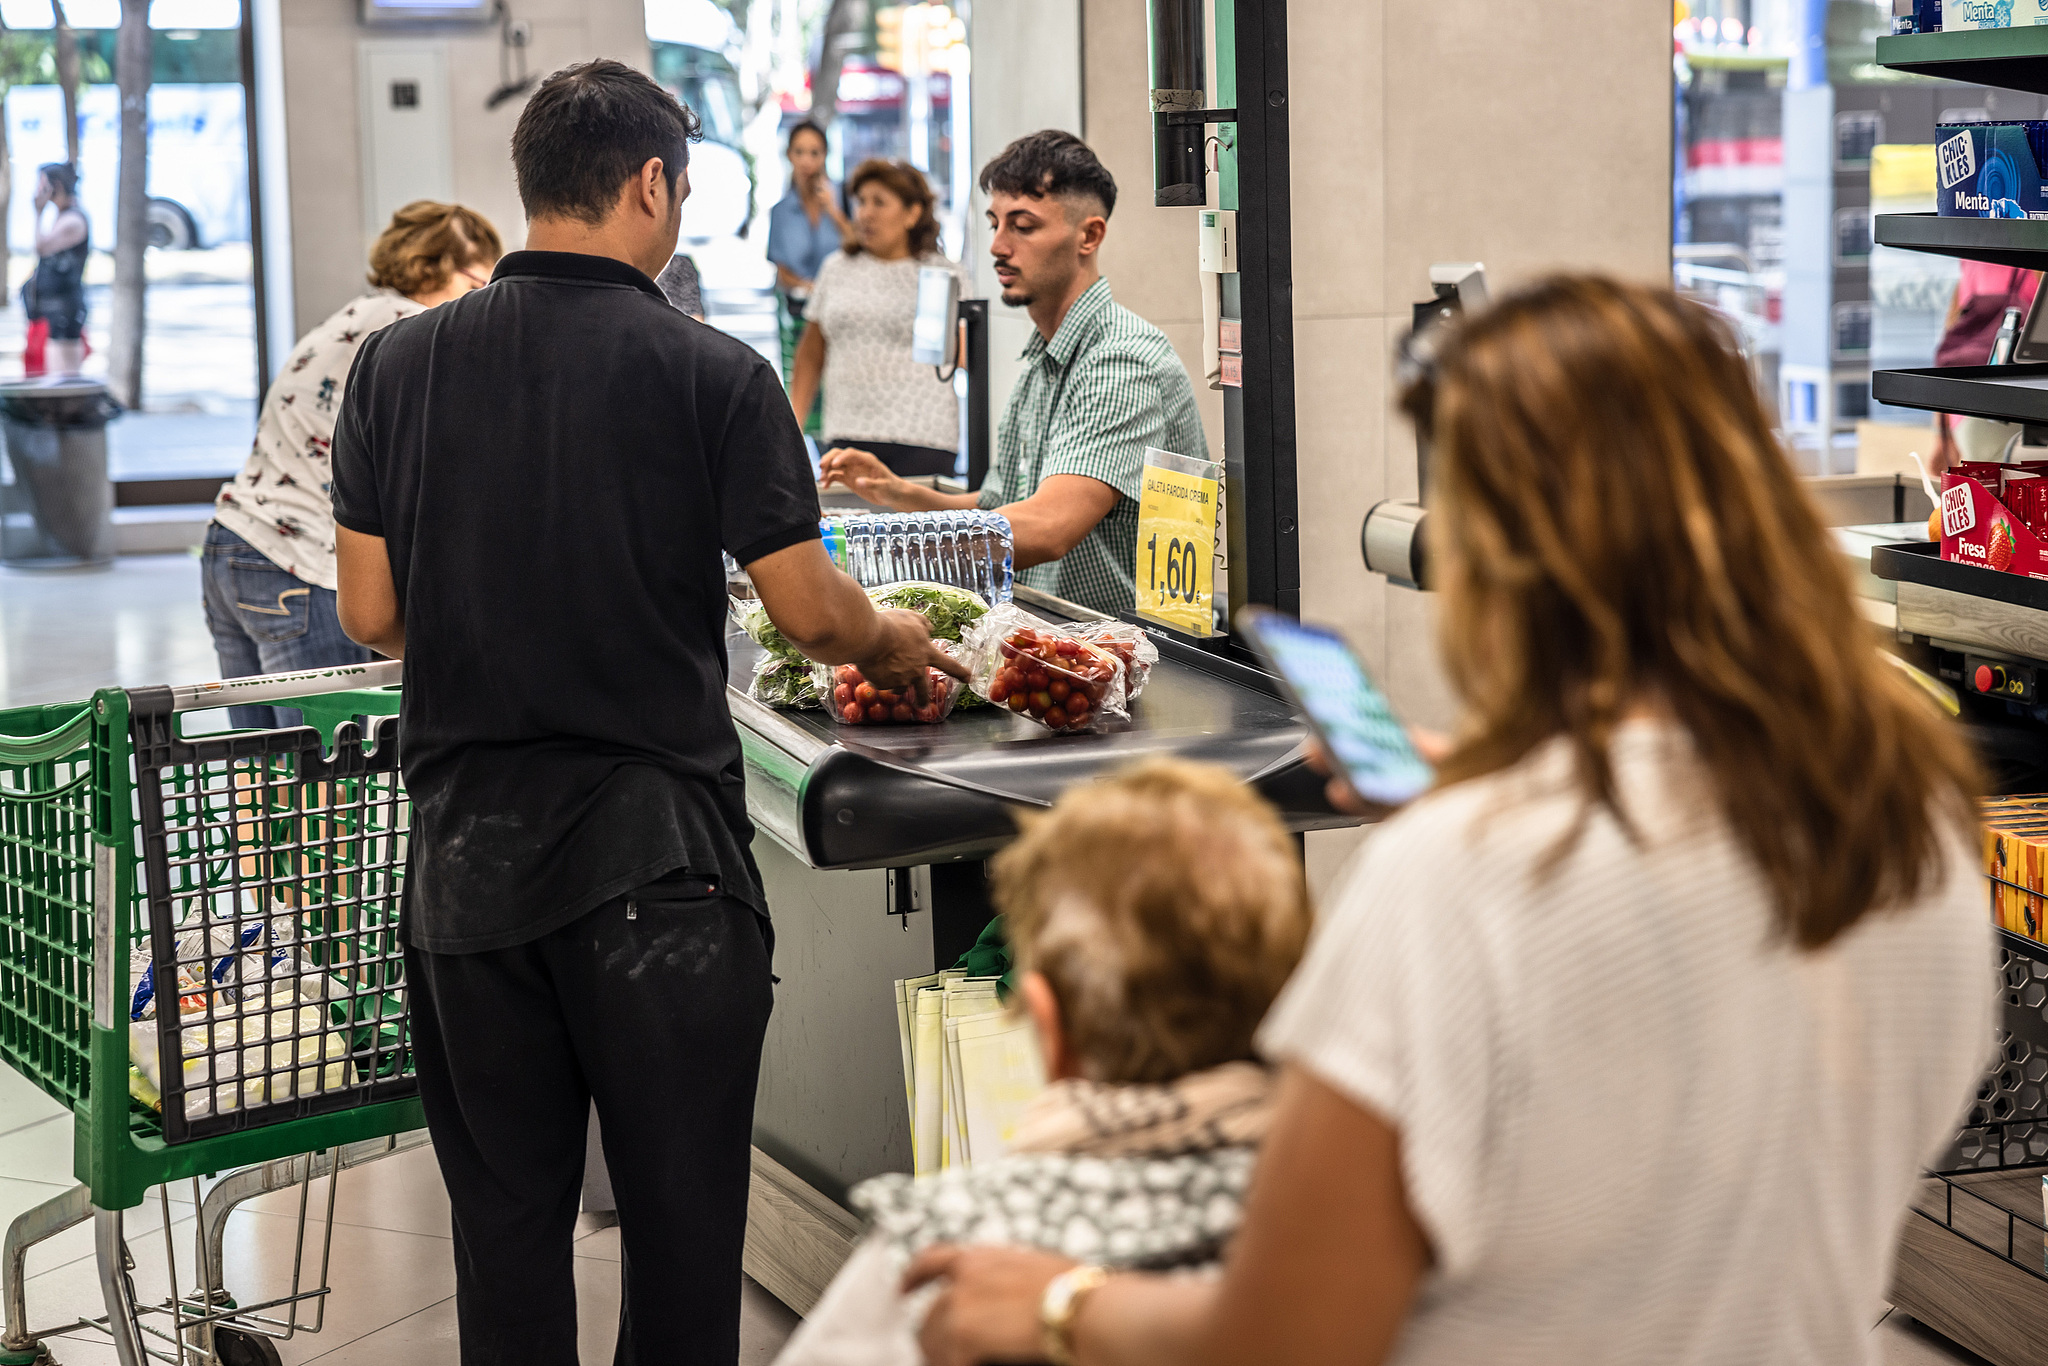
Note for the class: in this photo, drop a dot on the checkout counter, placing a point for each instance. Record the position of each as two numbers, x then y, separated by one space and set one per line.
872 846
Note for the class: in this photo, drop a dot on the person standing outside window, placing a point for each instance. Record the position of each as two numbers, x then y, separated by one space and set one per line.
532 486
857 330
55 295
804 228
268 571
1100 384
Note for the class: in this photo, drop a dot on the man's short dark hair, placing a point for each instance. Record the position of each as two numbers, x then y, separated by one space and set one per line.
1050 165
588 130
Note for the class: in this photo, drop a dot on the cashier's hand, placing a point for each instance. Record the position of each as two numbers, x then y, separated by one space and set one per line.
864 473
903 651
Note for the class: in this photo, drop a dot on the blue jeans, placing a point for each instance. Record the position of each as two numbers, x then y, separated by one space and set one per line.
266 621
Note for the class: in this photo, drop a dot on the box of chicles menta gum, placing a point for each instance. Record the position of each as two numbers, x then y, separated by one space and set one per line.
1992 170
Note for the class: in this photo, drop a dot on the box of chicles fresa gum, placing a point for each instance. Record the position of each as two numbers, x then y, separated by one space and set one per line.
1978 529
1992 170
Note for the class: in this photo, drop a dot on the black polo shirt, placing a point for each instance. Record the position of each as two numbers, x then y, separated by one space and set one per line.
554 463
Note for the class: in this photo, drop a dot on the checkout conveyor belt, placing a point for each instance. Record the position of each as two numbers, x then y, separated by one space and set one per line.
843 797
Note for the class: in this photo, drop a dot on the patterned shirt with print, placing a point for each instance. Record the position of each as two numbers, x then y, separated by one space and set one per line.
281 501
1089 402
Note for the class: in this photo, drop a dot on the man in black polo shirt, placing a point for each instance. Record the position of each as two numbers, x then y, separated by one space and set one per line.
532 487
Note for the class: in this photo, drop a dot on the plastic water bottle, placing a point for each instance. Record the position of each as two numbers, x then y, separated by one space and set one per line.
967 548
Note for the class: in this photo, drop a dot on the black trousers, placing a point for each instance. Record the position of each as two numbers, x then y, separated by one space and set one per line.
654 1006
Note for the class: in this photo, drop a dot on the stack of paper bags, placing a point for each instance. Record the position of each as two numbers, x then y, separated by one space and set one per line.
2016 861
970 1066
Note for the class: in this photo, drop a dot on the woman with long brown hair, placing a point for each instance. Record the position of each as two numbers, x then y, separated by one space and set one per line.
1628 1041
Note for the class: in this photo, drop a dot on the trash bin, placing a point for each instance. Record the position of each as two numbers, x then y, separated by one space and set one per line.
56 502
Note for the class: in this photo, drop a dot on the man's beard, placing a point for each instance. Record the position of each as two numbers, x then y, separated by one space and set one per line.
1016 296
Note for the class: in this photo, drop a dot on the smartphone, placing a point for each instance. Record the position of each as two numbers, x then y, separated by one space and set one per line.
1342 706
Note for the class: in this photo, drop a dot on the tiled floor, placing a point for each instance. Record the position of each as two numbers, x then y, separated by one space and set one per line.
63 635
393 1302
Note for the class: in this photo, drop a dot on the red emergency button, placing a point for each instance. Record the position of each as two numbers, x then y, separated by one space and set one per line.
1985 680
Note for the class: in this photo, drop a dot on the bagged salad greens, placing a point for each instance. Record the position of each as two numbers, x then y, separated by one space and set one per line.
785 678
784 682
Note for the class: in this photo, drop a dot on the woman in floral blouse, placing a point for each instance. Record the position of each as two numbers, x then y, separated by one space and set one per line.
268 565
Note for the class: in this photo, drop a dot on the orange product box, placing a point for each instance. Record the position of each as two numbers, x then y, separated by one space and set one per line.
2016 863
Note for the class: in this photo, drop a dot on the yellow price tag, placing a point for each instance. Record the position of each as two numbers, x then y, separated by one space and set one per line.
1176 568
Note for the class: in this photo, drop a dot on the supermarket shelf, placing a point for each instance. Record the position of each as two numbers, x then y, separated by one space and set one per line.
2021 242
2006 393
2008 58
1965 606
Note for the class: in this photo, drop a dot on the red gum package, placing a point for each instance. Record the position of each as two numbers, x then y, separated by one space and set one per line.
1978 529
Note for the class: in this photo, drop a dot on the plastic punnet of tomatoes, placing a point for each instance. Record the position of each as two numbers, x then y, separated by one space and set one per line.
1130 644
853 701
1040 671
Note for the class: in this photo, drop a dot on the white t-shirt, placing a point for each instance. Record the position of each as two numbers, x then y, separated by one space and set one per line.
874 391
1634 1126
281 502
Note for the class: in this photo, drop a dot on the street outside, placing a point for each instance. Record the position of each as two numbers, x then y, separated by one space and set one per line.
199 396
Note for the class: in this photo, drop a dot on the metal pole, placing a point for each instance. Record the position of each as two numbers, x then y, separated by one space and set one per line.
116 1288
1260 416
974 312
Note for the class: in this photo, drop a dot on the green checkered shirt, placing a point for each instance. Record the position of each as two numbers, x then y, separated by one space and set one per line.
1089 402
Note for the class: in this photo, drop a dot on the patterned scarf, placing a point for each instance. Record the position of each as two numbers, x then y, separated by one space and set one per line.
1131 1176
1221 1107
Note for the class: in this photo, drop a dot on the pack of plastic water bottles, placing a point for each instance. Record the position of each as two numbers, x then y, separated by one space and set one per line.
970 548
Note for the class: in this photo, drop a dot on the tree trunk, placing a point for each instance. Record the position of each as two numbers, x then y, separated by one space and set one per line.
67 80
840 35
131 205
6 200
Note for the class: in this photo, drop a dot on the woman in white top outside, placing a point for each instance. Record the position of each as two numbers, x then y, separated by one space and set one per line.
268 564
858 325
1627 1043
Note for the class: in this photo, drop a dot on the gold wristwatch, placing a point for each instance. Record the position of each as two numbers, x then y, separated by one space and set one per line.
1059 1304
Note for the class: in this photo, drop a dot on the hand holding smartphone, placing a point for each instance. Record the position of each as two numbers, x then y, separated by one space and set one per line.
1347 713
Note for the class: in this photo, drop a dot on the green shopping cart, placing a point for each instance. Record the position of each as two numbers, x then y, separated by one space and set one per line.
199 957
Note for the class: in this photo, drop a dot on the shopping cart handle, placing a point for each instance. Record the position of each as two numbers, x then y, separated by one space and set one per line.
235 692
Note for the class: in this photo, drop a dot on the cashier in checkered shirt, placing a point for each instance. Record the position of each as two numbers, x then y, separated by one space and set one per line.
1100 384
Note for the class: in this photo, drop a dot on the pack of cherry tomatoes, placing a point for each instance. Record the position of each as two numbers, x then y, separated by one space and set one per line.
853 701
1056 676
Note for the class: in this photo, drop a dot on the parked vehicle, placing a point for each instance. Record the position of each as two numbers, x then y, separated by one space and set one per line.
198 161
693 42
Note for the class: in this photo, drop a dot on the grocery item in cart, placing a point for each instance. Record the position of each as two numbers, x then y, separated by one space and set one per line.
238 950
853 701
1132 646
236 1057
1038 670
